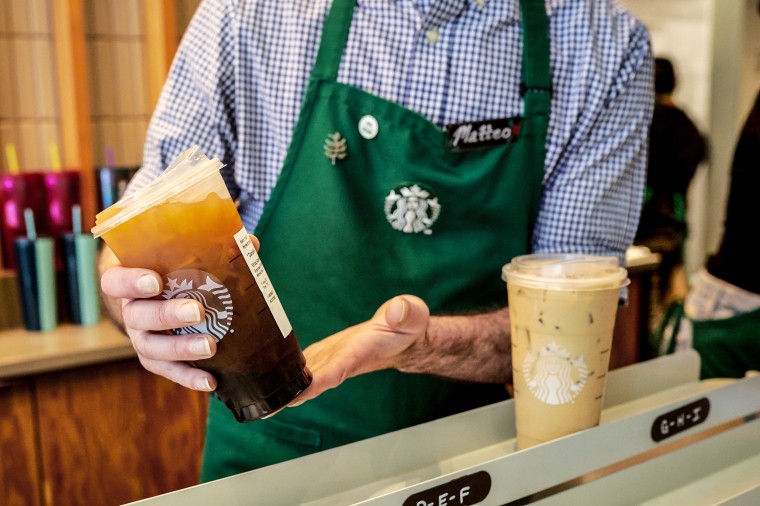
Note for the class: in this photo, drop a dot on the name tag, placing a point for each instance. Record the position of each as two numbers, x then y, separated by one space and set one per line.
482 134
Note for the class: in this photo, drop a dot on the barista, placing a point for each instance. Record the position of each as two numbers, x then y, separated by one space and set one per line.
375 199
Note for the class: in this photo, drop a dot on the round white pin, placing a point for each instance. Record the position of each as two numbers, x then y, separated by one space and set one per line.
368 127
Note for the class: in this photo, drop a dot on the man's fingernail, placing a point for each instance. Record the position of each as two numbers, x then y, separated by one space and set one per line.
203 385
189 312
404 310
148 285
296 403
200 347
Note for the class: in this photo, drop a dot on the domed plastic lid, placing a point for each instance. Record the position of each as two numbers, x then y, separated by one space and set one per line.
186 170
566 272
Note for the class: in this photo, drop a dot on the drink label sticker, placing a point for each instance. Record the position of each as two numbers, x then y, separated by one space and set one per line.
265 285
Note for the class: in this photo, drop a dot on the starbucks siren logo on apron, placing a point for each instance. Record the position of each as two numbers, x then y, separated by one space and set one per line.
552 376
411 208
216 300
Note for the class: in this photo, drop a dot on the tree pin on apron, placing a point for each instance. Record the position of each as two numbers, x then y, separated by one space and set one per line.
335 147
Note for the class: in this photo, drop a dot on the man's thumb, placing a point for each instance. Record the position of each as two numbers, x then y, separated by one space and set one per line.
406 313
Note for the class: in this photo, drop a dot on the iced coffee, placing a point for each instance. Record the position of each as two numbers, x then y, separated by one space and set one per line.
185 227
562 311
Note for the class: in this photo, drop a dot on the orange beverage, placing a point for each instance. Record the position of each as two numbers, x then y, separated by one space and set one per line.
186 227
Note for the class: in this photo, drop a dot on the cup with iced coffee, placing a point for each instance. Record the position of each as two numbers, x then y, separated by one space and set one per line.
185 226
562 310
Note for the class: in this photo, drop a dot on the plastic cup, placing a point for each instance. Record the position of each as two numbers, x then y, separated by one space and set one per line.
562 312
185 226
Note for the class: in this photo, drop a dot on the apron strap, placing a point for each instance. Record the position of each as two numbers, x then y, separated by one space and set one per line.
334 36
536 87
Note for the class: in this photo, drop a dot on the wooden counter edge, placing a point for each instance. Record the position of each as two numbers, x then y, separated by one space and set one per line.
25 353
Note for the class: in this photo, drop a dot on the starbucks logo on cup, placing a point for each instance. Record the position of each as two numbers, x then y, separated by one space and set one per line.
553 376
206 289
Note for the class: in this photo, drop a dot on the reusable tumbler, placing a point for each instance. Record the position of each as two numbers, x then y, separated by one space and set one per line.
36 278
562 311
112 182
82 286
60 193
186 227
18 192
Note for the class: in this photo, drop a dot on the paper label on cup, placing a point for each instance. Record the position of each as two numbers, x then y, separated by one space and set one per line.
262 280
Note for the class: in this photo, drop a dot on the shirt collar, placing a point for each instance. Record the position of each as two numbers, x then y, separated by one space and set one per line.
448 10
444 11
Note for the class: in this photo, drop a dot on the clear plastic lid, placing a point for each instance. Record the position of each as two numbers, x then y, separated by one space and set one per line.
566 272
187 169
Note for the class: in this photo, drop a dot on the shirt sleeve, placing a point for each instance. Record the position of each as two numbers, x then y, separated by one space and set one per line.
593 189
197 102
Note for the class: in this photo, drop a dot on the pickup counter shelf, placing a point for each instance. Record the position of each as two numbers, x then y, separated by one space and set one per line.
665 438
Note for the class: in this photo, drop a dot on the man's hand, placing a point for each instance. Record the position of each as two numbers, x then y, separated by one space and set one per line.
146 322
376 344
127 296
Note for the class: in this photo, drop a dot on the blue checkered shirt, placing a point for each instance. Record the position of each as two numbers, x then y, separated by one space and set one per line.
237 82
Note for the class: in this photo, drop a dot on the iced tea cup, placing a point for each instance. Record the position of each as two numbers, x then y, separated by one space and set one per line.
562 310
185 226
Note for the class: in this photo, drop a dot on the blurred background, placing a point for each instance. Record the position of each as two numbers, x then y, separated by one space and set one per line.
82 77
715 48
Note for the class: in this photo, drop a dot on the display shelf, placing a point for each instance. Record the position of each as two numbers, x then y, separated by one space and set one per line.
657 416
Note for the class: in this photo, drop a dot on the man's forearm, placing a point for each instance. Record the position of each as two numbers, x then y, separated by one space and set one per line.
473 348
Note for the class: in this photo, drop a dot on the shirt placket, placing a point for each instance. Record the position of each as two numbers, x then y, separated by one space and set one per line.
428 76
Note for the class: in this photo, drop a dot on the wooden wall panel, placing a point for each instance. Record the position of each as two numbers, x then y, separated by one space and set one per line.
19 482
160 32
115 433
73 98
7 107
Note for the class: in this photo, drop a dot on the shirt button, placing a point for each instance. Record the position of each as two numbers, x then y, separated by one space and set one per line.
433 35
480 3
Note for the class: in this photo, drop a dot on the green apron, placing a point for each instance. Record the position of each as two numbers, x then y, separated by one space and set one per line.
369 205
728 347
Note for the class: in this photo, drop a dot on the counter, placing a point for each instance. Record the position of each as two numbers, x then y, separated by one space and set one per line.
67 346
81 422
665 438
